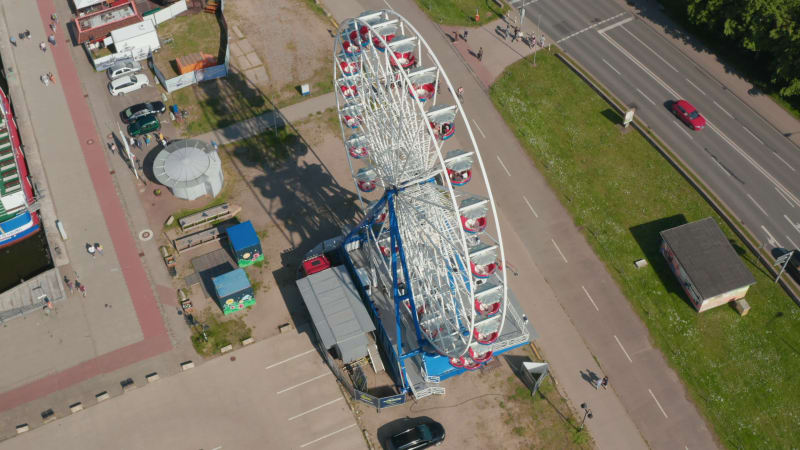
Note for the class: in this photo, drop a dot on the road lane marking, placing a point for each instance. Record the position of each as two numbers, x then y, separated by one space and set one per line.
648 98
479 128
658 404
770 240
612 67
683 128
583 30
623 349
387 4
783 160
314 409
289 359
793 244
785 198
530 206
327 435
754 136
590 298
695 86
615 25
757 205
721 167
796 226
723 109
559 250
651 50
504 166
303 383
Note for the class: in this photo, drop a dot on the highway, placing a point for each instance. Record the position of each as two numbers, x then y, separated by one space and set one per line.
741 157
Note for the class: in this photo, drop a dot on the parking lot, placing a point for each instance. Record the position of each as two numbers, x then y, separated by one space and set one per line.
275 393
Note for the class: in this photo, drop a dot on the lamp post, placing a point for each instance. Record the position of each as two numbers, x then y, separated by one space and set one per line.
586 413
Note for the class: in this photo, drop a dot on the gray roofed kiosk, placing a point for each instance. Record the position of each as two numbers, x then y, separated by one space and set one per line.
706 265
338 314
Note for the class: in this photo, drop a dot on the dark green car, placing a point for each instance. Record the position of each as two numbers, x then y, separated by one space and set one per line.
142 125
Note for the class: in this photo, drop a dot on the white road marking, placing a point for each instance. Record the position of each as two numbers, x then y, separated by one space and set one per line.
289 359
651 50
327 435
721 167
659 404
683 128
314 409
588 28
612 67
792 242
770 240
754 136
796 226
559 250
504 166
387 4
785 198
783 160
695 86
530 206
590 298
479 128
217 448
723 109
757 205
303 383
648 98
615 25
623 349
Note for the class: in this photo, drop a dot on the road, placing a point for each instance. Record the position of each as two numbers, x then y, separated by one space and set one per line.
741 157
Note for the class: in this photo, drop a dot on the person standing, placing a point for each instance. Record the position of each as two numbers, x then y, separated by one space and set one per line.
99 248
460 93
13 41
597 383
604 383
82 288
480 54
90 248
466 33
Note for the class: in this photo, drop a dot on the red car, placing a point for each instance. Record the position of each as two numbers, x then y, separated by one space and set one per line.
688 114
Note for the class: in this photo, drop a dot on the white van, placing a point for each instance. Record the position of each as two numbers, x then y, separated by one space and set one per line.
122 68
129 83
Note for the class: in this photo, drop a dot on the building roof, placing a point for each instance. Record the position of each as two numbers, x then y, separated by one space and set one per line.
710 262
243 235
231 282
339 316
132 31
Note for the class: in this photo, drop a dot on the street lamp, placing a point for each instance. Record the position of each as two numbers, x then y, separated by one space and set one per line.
586 413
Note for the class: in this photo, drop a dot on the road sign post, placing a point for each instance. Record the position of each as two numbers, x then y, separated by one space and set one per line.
783 261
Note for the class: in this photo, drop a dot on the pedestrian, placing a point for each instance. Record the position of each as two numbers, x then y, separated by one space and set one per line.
43 47
480 54
132 141
99 248
52 39
90 248
541 40
71 287
460 93
13 41
466 33
604 383
505 32
139 143
54 17
532 41
147 139
455 36
27 34
53 27
82 288
597 383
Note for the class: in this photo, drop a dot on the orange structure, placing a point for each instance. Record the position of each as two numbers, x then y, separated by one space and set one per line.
195 61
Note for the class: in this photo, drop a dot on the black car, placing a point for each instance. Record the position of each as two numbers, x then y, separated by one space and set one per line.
142 110
422 435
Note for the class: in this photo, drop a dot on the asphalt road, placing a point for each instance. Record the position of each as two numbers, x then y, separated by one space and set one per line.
745 161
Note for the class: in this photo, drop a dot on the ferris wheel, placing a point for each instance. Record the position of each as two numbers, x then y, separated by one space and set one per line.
432 236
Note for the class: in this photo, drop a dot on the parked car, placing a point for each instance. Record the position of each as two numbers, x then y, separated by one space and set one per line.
126 84
122 68
141 110
422 435
142 125
688 114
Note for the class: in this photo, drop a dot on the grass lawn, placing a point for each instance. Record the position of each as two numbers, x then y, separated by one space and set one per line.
462 12
743 373
185 35
221 331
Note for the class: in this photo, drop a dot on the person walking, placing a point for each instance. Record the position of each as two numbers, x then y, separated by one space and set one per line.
43 47
52 39
82 288
90 248
460 93
466 33
541 40
99 248
597 383
70 285
480 54
604 383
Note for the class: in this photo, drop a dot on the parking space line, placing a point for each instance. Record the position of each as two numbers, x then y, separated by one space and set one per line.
289 359
612 67
683 129
623 349
559 250
504 166
327 435
302 383
723 109
590 298
314 409
530 206
695 86
648 98
658 404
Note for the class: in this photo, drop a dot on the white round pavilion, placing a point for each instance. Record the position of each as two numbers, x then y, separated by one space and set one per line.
189 168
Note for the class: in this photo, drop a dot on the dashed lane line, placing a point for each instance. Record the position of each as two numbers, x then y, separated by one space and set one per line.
695 86
723 109
612 67
646 97
530 206
590 298
757 205
770 240
783 160
623 349
658 404
683 128
504 166
753 134
479 128
559 250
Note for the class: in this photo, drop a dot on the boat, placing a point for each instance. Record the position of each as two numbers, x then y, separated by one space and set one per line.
18 218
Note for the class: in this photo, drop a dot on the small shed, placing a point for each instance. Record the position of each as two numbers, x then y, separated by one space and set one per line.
706 265
141 39
336 310
233 290
245 244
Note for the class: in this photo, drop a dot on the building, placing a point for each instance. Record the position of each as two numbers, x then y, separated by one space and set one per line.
233 290
706 265
245 245
97 25
189 168
139 39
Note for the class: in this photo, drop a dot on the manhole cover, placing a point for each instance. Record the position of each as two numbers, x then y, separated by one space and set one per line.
146 235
